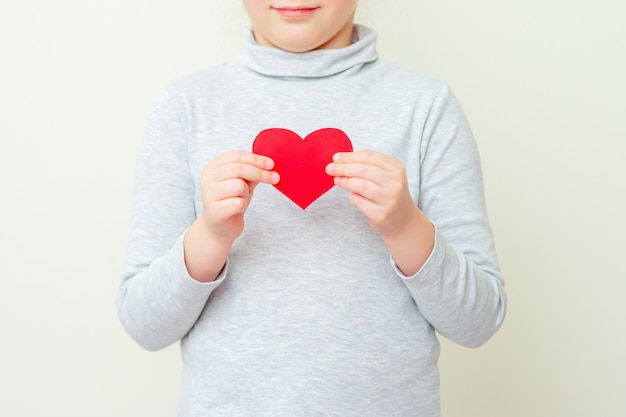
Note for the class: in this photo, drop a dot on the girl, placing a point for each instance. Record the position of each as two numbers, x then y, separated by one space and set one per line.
330 310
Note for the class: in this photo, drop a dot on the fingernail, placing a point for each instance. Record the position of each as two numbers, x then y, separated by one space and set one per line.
275 177
337 157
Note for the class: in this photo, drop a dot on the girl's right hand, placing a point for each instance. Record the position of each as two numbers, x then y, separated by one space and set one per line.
226 186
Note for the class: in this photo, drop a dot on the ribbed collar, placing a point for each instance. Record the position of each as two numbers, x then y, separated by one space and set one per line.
275 62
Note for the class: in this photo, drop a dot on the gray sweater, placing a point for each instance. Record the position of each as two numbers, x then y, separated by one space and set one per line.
310 316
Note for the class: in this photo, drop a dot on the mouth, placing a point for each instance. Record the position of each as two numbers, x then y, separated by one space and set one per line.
295 11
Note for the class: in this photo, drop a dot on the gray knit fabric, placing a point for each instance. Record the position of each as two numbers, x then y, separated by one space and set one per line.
310 317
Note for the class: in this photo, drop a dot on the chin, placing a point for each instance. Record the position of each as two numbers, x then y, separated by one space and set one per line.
297 38
298 48
298 45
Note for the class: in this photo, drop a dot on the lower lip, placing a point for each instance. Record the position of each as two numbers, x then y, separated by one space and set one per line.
295 12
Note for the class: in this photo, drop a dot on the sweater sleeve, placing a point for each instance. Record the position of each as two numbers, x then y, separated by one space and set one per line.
459 289
158 302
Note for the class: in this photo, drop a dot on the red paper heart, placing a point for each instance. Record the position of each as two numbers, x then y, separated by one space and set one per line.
301 163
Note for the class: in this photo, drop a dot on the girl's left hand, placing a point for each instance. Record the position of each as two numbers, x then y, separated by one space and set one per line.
379 189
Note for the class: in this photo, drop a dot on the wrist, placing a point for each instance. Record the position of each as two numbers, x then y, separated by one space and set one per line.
411 246
205 255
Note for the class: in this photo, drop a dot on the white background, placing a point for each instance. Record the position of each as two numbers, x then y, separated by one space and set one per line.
542 83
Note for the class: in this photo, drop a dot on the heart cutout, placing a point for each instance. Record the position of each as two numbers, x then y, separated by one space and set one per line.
301 163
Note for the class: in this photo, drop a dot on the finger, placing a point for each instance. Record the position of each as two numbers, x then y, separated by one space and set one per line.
243 157
368 172
367 189
252 186
231 188
223 190
245 172
364 205
234 187
222 211
368 157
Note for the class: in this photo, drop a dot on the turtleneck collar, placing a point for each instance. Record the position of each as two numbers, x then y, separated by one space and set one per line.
275 62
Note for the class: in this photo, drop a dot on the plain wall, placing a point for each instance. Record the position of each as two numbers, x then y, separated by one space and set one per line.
542 83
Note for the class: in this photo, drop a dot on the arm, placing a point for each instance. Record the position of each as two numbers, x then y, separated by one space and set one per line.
175 258
158 301
449 268
460 288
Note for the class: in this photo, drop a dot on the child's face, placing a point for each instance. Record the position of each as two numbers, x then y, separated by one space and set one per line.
302 25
